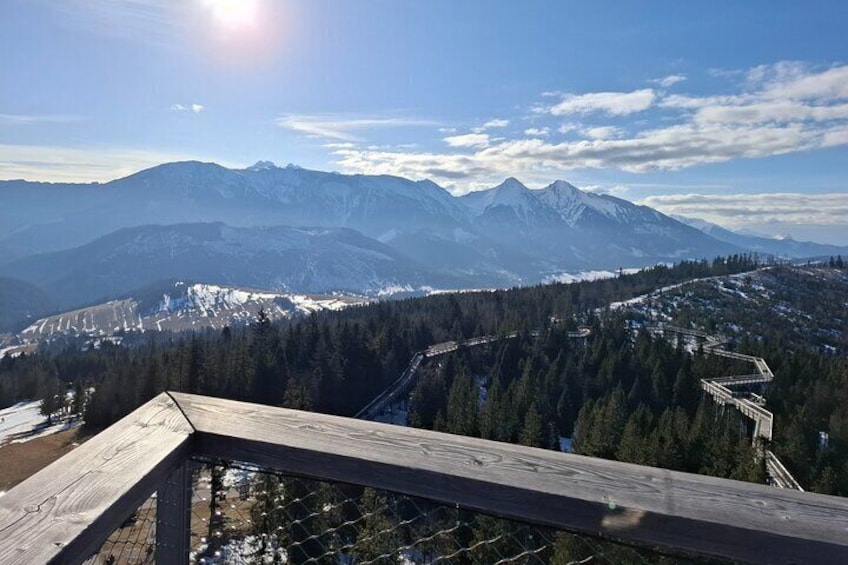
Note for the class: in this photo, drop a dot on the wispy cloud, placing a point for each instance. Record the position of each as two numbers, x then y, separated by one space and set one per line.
776 110
601 132
24 119
468 140
538 132
614 190
78 164
194 108
345 128
152 22
741 210
611 103
491 124
669 81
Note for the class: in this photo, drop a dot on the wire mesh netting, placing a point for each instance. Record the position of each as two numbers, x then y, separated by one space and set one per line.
241 514
134 542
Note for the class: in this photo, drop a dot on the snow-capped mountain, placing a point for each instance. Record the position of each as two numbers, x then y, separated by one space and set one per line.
575 206
566 227
40 217
781 247
510 200
85 243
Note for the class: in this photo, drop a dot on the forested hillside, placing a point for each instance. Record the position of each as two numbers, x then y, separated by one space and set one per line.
624 394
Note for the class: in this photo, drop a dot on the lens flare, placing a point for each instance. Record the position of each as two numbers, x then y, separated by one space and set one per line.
233 15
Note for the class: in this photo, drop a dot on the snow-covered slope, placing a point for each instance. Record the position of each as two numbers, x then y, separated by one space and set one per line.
510 195
572 204
181 306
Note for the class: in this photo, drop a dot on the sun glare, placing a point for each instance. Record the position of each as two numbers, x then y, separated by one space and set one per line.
233 15
238 33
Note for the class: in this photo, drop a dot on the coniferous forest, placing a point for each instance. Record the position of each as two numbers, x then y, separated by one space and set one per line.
619 394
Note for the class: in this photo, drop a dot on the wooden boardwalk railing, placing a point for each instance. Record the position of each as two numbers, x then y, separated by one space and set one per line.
63 513
719 389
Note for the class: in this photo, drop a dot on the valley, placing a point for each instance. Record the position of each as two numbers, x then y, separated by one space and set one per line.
297 231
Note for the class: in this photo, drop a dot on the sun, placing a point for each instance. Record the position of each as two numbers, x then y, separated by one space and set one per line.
233 15
238 34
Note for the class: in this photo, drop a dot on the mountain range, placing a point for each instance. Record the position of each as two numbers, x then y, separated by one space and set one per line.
297 230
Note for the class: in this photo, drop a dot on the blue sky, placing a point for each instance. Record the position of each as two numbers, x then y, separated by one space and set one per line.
735 112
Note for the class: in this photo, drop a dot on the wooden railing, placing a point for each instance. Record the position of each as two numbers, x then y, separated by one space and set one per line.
65 512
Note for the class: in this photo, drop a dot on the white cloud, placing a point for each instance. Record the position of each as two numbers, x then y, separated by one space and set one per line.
750 123
25 119
491 124
601 132
783 93
836 136
79 164
343 127
669 148
797 81
742 210
569 127
615 190
496 124
669 80
612 103
468 140
194 108
538 132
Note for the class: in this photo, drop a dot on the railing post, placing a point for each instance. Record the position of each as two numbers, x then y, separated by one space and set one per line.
173 516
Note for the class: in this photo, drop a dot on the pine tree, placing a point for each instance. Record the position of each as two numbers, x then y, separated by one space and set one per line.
376 538
531 433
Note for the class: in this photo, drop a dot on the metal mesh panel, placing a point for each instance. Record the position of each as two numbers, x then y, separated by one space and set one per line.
242 514
134 542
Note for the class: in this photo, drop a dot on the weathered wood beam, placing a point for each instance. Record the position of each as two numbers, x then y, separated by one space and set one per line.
65 512
645 505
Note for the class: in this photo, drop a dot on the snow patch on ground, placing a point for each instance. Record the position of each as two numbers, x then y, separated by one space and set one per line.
568 278
210 297
22 418
307 304
49 430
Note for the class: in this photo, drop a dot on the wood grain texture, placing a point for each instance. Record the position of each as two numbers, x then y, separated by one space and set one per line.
63 513
692 513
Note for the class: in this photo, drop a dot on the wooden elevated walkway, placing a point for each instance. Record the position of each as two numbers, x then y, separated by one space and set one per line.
720 390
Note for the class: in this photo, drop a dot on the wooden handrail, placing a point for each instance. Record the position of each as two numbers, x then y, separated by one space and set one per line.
65 511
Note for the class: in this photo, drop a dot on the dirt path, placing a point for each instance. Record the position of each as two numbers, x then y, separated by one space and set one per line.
21 460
